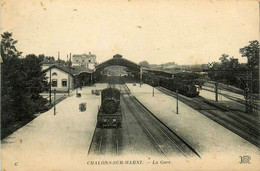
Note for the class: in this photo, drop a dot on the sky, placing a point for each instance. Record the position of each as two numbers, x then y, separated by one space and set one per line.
181 31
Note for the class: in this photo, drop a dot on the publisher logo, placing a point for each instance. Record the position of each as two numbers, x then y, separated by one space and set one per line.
245 159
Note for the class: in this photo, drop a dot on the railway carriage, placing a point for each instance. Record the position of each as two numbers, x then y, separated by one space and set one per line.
109 113
151 79
185 87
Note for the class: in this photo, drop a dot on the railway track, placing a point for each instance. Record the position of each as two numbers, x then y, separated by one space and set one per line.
105 142
164 140
242 126
236 99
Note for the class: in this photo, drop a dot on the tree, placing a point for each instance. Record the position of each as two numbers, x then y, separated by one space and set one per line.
144 64
252 53
8 49
224 60
35 78
226 69
47 59
22 82
10 77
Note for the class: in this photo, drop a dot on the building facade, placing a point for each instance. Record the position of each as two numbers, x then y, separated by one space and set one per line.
87 60
61 80
65 78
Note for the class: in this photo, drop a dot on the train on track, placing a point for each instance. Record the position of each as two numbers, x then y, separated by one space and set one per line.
110 113
187 87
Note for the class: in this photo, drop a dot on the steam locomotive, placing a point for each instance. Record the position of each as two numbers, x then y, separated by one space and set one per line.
109 113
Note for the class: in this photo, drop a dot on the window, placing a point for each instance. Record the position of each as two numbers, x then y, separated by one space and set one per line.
54 83
82 60
77 60
54 74
64 83
89 60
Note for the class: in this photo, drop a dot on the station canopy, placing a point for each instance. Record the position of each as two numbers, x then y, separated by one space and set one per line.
118 60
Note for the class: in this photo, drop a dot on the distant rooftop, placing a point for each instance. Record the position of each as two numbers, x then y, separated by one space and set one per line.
117 56
84 55
75 70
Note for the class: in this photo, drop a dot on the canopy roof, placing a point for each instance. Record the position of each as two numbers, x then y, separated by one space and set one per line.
118 60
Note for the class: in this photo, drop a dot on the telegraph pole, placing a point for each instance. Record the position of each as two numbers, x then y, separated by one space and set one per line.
247 75
246 97
249 92
50 87
216 91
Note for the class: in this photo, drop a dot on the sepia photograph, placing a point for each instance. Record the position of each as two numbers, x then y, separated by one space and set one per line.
130 85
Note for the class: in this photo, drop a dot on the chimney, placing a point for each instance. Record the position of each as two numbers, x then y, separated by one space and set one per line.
70 63
58 58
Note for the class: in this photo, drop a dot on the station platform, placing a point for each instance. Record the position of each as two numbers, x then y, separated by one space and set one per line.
62 141
213 142
54 142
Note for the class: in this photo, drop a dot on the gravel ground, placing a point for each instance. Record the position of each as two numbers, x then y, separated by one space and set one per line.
210 140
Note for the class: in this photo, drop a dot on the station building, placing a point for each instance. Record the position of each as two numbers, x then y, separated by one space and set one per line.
65 78
87 60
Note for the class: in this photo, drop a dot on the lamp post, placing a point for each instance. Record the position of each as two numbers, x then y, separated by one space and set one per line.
141 75
54 102
153 88
177 105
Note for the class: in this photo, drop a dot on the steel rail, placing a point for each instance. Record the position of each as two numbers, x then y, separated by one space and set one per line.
147 131
160 129
236 127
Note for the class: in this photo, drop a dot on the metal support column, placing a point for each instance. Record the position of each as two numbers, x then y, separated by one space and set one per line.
54 102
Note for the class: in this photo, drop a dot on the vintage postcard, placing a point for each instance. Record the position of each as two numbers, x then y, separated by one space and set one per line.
130 85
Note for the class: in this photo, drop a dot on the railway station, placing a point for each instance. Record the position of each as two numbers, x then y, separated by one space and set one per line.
130 85
148 116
